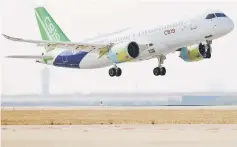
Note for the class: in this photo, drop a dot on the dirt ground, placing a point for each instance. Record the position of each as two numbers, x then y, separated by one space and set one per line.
120 136
87 117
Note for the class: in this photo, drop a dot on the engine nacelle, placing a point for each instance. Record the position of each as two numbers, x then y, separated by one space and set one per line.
195 52
124 51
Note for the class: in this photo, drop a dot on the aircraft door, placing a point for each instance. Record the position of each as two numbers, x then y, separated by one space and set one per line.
192 26
210 20
210 25
64 57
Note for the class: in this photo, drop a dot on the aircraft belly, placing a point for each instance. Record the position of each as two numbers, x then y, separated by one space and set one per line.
70 59
92 60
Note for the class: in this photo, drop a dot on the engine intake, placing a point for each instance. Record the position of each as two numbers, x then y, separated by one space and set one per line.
133 49
124 51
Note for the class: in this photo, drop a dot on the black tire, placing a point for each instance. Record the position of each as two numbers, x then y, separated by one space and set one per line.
156 71
118 72
112 72
208 55
163 71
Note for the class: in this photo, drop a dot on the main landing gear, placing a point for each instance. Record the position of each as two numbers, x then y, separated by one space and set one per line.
115 71
160 70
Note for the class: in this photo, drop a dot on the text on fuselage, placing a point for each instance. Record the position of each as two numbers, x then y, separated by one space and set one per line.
170 31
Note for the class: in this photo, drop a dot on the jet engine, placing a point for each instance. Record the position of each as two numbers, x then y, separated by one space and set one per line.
124 51
195 52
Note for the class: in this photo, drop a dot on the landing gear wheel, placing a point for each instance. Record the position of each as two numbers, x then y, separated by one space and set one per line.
160 70
163 71
156 71
118 72
112 72
208 55
205 50
115 72
209 41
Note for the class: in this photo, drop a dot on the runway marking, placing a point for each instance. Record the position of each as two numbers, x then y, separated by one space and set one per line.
139 128
127 128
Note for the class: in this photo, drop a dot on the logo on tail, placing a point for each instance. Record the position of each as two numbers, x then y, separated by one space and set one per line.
51 29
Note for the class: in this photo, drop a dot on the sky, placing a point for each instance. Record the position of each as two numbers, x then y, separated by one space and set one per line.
81 19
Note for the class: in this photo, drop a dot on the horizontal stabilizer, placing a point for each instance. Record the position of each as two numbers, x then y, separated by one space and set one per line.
27 56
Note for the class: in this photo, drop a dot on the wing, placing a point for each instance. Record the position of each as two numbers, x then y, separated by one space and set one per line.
50 45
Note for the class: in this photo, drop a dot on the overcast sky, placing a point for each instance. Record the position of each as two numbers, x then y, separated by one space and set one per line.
81 19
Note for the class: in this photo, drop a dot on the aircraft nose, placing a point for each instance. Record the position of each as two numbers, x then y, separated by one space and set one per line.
231 25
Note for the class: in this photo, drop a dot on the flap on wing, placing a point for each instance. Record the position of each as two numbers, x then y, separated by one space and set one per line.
50 45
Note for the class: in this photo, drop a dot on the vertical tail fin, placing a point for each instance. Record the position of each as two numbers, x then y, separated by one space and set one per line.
49 29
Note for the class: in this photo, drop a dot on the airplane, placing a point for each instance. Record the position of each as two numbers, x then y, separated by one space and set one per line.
192 38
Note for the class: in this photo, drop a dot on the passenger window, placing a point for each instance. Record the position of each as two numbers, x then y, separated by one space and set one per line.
210 16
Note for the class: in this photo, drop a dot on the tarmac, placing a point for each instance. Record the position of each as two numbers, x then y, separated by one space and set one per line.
120 136
125 108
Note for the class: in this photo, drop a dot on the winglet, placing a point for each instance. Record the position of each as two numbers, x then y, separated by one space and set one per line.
11 38
5 36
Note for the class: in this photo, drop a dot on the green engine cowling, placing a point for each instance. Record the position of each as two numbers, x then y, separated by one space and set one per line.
195 52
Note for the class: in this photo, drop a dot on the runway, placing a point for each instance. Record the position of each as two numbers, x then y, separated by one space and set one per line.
120 136
126 108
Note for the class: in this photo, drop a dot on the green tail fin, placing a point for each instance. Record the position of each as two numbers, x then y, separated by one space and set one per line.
49 29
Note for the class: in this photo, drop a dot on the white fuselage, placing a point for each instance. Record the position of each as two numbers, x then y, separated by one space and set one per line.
165 39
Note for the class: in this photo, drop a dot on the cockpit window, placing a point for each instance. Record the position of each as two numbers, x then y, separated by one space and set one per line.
210 16
220 15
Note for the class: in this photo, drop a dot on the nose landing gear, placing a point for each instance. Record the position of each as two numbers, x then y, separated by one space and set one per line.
206 49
